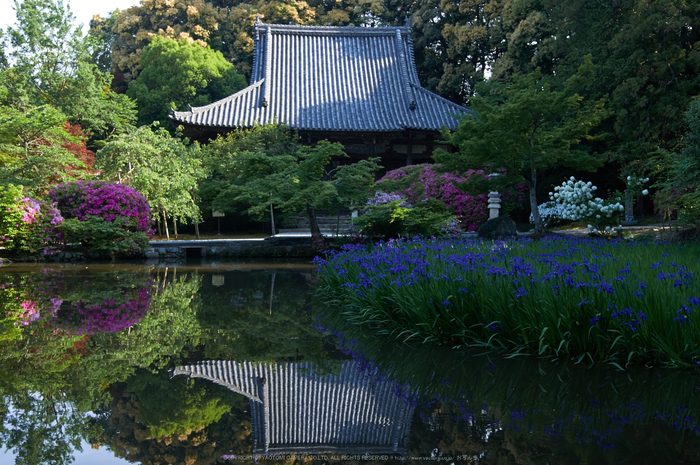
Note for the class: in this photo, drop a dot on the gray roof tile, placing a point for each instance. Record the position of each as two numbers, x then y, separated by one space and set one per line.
330 79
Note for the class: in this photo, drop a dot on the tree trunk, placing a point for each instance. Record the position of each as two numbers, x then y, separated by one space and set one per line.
196 230
313 225
272 219
158 225
175 226
165 224
539 227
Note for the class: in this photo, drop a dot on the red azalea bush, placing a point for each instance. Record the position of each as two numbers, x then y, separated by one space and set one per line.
81 199
419 182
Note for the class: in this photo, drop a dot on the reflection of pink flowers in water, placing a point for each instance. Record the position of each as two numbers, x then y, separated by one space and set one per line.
108 317
30 312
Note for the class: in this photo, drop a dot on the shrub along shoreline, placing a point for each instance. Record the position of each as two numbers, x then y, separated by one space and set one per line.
587 300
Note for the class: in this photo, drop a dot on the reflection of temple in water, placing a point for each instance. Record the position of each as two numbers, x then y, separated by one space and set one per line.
294 409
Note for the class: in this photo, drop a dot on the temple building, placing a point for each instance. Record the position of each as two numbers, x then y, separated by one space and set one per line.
295 409
354 85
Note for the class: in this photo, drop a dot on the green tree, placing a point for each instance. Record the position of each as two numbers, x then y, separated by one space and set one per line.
51 64
177 73
646 60
32 149
682 169
265 168
454 42
134 28
536 128
162 168
656 73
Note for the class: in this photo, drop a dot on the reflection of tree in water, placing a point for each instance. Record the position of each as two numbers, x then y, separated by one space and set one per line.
259 316
170 409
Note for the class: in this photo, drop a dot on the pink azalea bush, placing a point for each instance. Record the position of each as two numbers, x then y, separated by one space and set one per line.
104 219
28 226
82 199
419 182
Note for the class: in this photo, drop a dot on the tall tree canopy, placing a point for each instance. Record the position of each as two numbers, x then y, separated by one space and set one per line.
50 63
536 128
177 73
160 167
264 168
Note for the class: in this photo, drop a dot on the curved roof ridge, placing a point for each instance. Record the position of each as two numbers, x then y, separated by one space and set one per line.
218 103
341 30
456 106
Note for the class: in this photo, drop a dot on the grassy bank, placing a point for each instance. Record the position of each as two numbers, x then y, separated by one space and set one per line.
583 299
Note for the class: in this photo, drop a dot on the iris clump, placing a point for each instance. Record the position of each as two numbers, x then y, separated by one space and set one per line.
588 300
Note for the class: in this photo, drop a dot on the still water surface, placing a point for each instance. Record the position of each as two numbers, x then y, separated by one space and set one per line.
230 362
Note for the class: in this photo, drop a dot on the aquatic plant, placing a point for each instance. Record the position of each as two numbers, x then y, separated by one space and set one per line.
578 298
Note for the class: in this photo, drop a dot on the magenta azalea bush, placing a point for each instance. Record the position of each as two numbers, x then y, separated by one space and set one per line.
416 183
82 199
28 226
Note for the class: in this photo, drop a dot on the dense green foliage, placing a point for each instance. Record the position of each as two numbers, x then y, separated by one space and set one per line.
265 168
50 63
534 128
177 73
396 218
162 168
33 149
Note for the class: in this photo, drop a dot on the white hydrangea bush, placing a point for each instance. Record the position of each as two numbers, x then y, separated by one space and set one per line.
551 213
580 203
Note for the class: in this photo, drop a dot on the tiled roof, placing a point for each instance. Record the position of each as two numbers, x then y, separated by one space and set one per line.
296 409
330 79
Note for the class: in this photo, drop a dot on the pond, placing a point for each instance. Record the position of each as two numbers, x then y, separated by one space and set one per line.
207 362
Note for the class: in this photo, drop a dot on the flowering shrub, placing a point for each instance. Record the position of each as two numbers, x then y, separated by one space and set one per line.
82 199
381 198
28 226
419 182
104 218
634 184
568 298
551 213
390 216
577 198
